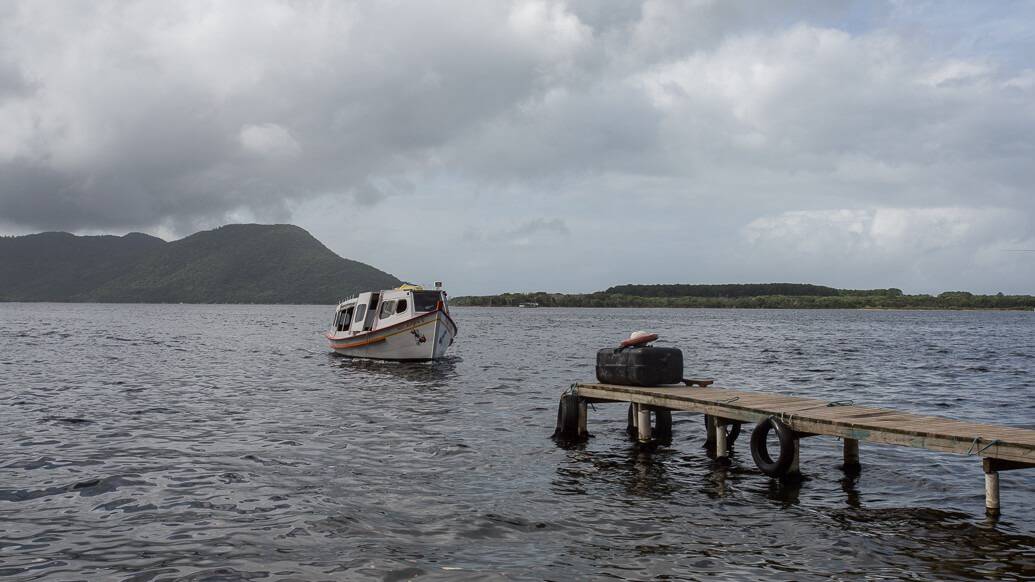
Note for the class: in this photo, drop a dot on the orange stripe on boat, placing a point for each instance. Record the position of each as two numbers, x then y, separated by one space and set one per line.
359 344
384 337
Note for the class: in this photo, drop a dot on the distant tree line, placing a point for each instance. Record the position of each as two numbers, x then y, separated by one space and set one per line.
747 290
842 299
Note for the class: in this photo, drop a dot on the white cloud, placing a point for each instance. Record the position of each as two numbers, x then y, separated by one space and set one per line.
269 140
928 248
548 26
892 231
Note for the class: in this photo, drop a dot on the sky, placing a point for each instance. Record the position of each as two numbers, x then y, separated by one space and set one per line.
539 145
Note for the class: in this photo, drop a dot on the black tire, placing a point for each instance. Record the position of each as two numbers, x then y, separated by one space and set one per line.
663 425
731 434
760 450
567 418
662 429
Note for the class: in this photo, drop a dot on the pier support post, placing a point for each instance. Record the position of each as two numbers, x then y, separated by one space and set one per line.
795 469
642 423
852 456
663 425
991 488
722 449
583 419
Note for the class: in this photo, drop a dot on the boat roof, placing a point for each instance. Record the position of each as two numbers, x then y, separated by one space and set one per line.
401 288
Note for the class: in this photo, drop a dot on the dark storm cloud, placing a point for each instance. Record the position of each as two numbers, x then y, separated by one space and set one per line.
176 112
12 83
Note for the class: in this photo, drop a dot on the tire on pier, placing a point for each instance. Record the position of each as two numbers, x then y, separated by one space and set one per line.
567 418
709 439
662 424
760 448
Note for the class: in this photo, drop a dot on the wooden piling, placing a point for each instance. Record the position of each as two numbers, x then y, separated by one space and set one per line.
1002 448
795 469
992 493
992 468
642 423
583 418
851 455
722 449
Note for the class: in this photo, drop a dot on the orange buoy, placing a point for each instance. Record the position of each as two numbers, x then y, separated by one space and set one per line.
639 338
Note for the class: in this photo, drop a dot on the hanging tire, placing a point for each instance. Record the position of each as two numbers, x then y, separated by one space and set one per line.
731 434
663 425
760 449
567 418
662 429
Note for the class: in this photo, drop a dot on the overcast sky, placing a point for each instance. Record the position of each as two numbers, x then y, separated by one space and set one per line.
563 146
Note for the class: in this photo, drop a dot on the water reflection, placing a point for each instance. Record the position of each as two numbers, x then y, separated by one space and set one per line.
638 470
949 543
849 484
646 474
436 373
717 479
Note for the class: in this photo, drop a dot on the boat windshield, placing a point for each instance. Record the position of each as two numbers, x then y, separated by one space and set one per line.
426 300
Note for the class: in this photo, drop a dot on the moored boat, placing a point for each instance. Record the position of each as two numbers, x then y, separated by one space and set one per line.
406 323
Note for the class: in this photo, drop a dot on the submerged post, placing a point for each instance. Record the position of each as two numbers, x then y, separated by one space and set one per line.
852 455
583 418
795 469
722 450
991 488
642 423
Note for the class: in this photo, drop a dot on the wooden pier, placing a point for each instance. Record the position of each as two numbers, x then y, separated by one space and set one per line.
1000 448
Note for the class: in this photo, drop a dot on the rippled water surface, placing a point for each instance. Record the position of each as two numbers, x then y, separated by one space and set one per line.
160 442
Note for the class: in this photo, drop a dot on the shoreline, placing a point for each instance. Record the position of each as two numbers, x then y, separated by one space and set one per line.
731 308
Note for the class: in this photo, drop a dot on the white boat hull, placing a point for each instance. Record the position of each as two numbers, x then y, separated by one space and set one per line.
425 337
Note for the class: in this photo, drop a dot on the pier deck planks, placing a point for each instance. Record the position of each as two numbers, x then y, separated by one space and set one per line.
813 416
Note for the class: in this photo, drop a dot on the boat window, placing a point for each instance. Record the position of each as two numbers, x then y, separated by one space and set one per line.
345 319
369 324
361 310
400 306
387 309
426 300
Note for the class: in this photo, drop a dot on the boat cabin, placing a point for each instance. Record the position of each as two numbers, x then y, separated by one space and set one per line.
377 310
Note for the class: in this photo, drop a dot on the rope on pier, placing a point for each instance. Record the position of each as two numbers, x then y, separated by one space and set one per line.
978 439
994 442
970 451
573 389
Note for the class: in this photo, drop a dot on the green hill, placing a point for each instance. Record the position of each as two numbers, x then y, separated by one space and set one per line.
57 266
241 263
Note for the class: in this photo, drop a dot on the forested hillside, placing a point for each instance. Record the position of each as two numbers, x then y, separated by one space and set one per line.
241 263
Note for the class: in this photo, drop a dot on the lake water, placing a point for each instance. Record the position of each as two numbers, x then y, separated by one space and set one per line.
161 442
